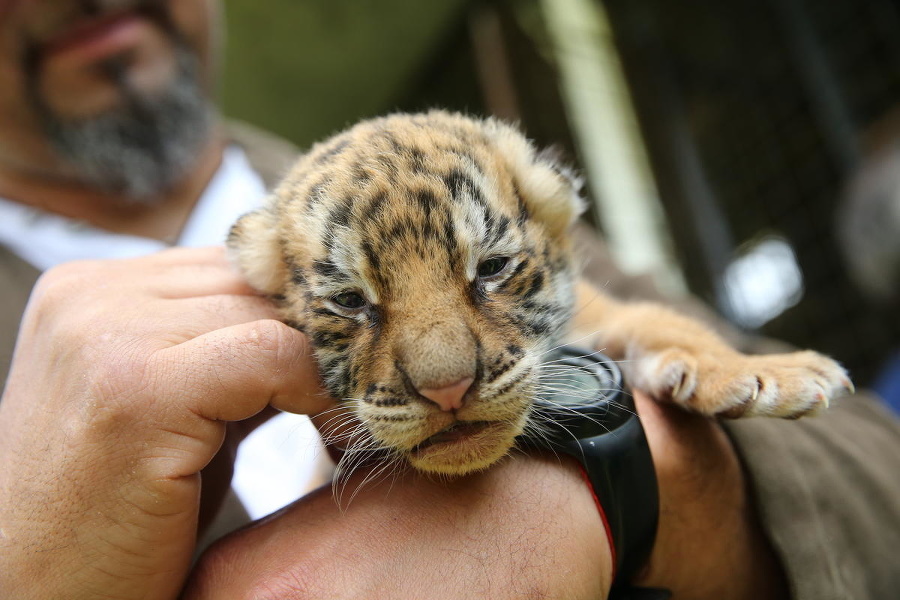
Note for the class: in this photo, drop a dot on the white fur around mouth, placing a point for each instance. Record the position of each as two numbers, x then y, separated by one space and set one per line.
458 431
463 448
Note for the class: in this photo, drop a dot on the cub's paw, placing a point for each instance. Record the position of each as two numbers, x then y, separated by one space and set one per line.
733 385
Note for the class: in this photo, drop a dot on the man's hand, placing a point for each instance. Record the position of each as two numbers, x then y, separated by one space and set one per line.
124 375
525 528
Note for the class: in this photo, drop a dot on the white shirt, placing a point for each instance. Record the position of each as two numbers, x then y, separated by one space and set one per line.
277 463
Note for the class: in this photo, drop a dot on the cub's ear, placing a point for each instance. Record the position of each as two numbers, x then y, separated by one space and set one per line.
550 190
253 246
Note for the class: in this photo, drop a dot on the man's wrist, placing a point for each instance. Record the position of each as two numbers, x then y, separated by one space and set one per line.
705 513
526 527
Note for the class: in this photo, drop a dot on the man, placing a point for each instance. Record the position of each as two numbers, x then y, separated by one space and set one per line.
105 112
110 145
125 373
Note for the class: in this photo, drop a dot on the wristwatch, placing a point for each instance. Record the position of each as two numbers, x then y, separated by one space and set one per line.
584 412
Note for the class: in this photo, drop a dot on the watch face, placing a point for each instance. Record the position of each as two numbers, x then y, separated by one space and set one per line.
582 390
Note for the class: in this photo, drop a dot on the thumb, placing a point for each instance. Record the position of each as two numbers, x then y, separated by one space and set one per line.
230 374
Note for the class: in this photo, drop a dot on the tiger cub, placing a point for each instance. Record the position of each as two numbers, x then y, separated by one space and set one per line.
428 259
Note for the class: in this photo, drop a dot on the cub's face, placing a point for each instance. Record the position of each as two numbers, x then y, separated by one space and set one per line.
425 256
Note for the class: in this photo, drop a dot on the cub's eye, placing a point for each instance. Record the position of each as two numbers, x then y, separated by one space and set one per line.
492 266
349 300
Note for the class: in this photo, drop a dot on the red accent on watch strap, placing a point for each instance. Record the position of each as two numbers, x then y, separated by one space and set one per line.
609 536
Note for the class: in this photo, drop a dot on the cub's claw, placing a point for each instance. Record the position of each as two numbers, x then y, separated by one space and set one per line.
755 391
734 385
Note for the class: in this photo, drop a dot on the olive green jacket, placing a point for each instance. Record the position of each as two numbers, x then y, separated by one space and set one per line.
827 489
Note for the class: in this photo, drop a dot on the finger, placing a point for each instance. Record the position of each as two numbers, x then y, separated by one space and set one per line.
181 281
212 255
169 274
233 373
205 273
185 255
180 320
187 281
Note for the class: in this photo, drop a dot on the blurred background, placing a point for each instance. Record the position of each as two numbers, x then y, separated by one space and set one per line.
743 151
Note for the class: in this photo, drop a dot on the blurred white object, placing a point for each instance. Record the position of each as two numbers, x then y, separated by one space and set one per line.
763 282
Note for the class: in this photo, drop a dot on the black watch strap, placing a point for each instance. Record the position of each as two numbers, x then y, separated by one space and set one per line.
605 436
634 593
620 468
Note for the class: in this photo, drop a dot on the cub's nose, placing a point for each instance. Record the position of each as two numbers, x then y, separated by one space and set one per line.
448 397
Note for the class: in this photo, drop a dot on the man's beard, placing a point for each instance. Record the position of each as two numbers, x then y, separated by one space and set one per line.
141 149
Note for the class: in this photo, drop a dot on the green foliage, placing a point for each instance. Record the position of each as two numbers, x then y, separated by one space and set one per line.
304 69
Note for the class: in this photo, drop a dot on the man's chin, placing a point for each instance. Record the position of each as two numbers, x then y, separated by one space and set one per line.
146 142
